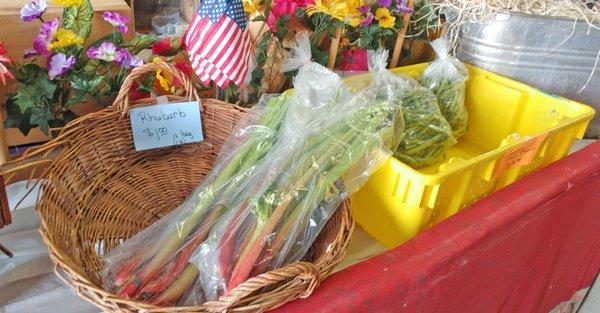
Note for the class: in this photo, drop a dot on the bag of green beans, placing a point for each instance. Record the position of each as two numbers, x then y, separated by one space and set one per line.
427 134
446 77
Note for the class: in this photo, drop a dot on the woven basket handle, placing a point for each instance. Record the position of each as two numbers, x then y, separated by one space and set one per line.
302 275
122 100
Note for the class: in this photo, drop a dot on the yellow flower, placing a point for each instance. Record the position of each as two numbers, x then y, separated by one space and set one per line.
385 18
65 38
253 6
166 81
68 3
338 9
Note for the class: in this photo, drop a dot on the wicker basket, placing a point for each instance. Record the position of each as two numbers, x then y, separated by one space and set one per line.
99 190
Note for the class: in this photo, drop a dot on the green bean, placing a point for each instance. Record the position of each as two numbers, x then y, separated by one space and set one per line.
427 134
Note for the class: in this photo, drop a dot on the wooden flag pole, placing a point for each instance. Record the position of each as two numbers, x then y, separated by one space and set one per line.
401 35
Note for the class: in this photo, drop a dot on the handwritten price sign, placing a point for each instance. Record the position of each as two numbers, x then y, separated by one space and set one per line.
521 155
165 125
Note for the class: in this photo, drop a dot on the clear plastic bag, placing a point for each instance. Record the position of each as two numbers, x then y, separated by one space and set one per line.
277 182
427 134
447 78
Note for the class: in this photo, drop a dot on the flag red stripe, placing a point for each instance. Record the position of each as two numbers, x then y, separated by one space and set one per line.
219 51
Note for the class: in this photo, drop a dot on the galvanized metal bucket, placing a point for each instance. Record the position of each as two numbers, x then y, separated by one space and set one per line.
559 56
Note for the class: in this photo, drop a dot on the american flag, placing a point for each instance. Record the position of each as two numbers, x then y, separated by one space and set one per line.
218 42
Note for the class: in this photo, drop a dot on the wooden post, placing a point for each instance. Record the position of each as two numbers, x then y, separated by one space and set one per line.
333 49
401 35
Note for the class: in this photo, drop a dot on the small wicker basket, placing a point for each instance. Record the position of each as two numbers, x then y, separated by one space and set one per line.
99 190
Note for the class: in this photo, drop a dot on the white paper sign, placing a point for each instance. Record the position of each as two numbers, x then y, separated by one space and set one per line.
165 125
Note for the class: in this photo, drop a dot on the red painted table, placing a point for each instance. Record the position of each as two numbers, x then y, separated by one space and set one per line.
526 248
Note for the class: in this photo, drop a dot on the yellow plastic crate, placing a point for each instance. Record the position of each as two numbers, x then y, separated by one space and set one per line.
513 130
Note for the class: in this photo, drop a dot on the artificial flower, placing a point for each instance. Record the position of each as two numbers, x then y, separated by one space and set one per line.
4 72
68 3
354 59
385 18
60 64
127 60
44 37
368 20
33 10
165 81
168 46
65 38
136 94
384 3
402 7
281 8
106 51
253 6
364 9
342 10
116 20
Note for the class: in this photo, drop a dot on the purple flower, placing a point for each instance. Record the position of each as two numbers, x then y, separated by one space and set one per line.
59 64
384 3
368 20
107 51
127 60
401 7
43 39
365 9
117 20
33 10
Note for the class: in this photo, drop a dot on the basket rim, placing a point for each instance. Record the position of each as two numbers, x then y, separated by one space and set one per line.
105 300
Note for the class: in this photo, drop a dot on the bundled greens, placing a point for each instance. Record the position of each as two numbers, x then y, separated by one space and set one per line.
446 77
427 134
275 185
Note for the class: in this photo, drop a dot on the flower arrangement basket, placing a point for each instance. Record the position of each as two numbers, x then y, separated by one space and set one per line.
100 191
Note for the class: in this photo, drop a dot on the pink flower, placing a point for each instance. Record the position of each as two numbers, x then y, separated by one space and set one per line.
116 20
281 8
44 37
59 64
365 9
384 3
4 72
33 10
368 20
402 7
354 59
107 51
127 60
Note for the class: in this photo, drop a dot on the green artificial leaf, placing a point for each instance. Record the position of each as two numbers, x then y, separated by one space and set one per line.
259 18
15 118
80 82
41 117
79 18
281 27
36 94
140 42
116 38
27 73
45 85
91 67
76 97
